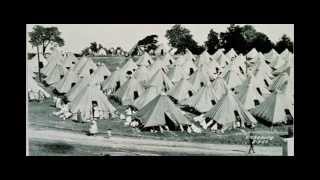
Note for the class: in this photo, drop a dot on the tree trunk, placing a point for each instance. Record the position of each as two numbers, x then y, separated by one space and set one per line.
38 64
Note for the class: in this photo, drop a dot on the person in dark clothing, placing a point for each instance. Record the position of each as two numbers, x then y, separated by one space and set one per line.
251 138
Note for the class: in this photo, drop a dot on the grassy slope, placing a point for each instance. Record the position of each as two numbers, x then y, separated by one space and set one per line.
41 114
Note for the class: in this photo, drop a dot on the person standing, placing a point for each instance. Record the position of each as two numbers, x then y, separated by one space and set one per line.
251 139
93 129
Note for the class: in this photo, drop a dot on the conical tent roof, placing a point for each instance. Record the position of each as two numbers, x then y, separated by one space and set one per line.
220 87
271 55
160 80
237 67
273 108
198 78
262 77
202 100
181 90
55 74
148 95
176 73
154 113
33 86
203 59
231 53
126 93
33 63
144 60
279 81
142 74
102 52
167 59
83 60
70 61
253 53
129 66
257 84
187 65
111 82
99 74
64 84
158 64
46 70
223 60
80 85
277 62
217 54
214 66
189 56
87 67
248 94
232 79
180 61
288 89
261 65
286 67
224 111
83 102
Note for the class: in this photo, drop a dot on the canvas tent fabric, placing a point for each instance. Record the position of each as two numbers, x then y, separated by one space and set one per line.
167 59
232 79
248 93
70 61
161 50
161 81
279 81
202 100
83 102
198 78
262 77
262 66
252 54
100 74
65 84
189 56
277 62
273 108
176 73
223 60
148 95
55 75
111 82
271 55
83 60
220 87
257 84
217 54
158 64
87 68
231 53
53 60
187 66
154 113
33 87
80 85
145 60
102 52
181 90
214 66
224 112
126 93
203 59
142 74
180 60
129 66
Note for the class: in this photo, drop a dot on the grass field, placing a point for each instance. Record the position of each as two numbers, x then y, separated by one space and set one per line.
40 114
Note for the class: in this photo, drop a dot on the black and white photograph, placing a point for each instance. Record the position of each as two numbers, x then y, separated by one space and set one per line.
160 89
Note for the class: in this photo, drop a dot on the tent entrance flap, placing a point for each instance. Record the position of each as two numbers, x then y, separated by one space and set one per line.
289 116
170 122
135 95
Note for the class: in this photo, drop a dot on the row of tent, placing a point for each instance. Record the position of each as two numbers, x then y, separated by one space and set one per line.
223 87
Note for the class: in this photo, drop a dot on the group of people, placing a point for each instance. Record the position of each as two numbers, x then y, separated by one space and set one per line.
64 108
36 96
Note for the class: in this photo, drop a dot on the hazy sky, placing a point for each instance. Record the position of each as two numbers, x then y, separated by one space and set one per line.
79 36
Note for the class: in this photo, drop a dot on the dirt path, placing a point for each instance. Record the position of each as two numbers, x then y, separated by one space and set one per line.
157 147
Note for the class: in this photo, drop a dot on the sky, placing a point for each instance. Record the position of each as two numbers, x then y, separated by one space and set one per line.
79 36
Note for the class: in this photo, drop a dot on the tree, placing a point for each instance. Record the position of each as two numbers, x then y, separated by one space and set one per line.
179 37
234 38
46 36
94 47
212 44
43 37
262 43
284 43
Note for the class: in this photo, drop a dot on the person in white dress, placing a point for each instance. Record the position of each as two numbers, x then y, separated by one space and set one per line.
93 129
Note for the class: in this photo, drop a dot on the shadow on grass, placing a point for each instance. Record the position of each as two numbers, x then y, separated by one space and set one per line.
58 147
